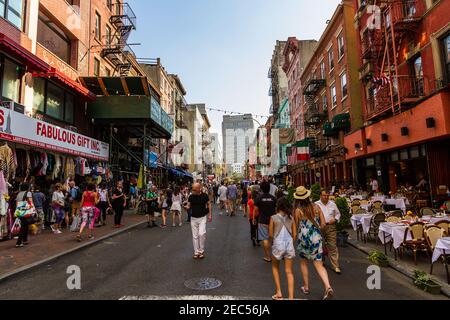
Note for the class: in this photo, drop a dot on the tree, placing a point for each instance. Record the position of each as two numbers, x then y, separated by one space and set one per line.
315 192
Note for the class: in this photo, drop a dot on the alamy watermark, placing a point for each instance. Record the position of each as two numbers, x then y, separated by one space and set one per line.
74 280
374 279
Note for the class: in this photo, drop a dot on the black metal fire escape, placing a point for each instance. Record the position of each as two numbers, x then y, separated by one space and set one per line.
116 49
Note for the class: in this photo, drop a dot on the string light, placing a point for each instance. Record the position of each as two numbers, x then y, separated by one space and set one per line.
235 112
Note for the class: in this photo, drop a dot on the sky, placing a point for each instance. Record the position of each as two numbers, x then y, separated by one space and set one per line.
221 49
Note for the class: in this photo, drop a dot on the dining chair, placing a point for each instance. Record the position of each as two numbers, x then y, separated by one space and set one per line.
377 205
432 235
356 202
396 213
361 211
417 243
375 222
355 208
427 212
376 211
393 219
409 218
444 224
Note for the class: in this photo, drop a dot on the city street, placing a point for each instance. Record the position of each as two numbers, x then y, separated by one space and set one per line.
155 264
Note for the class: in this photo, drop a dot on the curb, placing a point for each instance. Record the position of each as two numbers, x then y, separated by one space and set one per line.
59 255
445 288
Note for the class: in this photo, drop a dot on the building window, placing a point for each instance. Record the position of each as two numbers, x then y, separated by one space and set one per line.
108 72
12 10
322 70
333 96
10 80
446 52
53 100
324 102
109 4
108 35
330 59
96 67
417 69
53 38
344 85
341 46
98 21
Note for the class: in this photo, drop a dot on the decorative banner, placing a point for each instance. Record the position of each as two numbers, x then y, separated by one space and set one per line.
19 128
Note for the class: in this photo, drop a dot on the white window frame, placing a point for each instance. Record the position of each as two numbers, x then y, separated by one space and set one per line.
333 99
330 51
340 38
346 84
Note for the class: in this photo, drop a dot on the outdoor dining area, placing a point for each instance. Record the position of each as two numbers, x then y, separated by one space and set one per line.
404 230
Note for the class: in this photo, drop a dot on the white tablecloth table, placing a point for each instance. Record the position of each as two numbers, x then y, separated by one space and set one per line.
398 203
434 220
393 231
359 197
366 206
379 198
363 220
442 247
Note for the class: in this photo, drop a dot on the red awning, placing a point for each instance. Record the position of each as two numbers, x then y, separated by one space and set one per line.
61 77
32 62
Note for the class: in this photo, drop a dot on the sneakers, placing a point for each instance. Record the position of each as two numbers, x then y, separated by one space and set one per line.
57 231
180 225
20 245
174 225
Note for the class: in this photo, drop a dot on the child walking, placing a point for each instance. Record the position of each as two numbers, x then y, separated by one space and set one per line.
282 232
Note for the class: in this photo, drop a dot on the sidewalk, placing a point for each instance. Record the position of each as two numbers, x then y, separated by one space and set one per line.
47 245
404 265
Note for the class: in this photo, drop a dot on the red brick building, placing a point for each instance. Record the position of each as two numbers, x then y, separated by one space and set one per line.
405 74
330 101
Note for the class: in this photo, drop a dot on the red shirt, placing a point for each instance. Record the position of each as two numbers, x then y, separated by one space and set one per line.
89 199
251 207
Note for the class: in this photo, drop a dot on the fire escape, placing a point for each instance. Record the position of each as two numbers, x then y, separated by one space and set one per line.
313 116
116 49
391 86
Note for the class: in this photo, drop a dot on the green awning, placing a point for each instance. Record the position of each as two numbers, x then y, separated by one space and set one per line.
328 130
341 122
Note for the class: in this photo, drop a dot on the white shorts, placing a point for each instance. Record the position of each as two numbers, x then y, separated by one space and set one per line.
283 249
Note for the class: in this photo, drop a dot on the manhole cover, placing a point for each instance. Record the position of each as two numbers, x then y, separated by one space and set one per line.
203 284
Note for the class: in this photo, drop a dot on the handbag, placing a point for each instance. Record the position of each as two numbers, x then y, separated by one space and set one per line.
75 224
24 209
15 230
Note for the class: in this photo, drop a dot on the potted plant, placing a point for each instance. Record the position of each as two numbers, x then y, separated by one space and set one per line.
344 222
315 192
378 258
426 282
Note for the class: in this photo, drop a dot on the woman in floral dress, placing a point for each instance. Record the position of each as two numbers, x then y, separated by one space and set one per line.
310 220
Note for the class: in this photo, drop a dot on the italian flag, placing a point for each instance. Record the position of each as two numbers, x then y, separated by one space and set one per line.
303 151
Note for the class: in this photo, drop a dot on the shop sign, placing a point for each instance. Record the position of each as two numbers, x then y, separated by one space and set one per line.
19 128
155 111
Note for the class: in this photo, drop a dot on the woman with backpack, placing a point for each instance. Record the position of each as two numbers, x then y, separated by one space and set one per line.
87 211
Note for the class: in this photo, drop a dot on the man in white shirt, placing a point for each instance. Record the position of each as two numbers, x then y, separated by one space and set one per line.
374 185
273 189
223 197
332 216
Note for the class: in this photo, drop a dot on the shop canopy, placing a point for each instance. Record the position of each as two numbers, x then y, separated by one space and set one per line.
180 173
117 86
32 62
65 80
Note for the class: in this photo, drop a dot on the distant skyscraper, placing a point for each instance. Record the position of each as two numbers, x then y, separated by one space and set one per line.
237 134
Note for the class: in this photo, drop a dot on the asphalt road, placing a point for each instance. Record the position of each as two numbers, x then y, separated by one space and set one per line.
155 263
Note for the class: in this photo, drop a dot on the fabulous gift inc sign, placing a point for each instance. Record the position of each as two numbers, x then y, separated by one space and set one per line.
19 128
